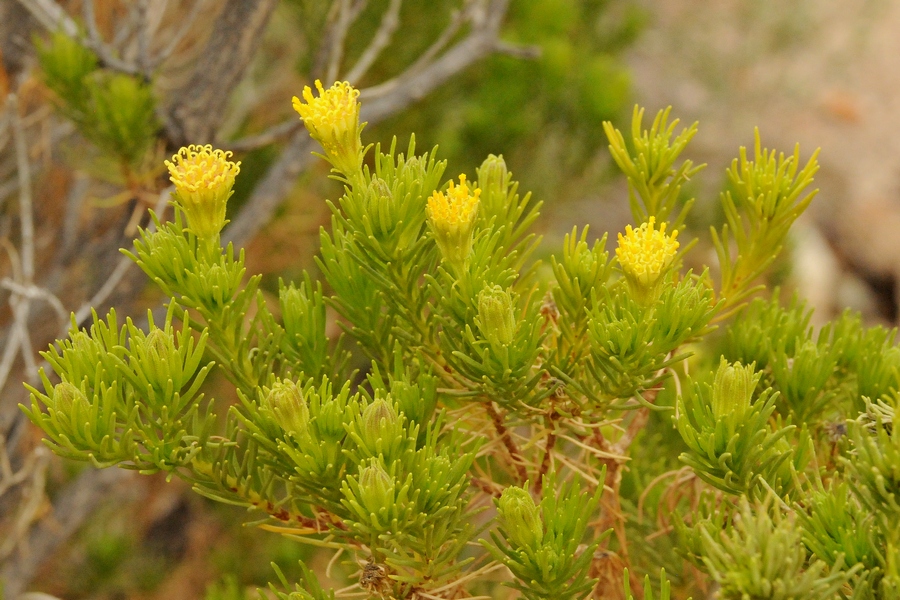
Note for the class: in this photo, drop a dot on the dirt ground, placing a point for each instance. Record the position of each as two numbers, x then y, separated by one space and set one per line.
824 73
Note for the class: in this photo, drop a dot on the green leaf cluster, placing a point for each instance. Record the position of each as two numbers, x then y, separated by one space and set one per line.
114 111
409 443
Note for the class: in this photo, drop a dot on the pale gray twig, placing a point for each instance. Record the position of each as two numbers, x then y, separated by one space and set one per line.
396 94
23 261
72 507
74 201
271 135
517 51
390 20
103 50
84 311
51 16
143 43
126 28
271 190
182 31
26 217
8 477
34 292
457 19
35 469
348 13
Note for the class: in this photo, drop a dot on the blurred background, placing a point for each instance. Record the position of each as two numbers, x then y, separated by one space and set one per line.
95 94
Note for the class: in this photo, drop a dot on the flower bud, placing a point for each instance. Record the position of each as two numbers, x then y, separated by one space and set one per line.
493 177
157 347
732 389
203 179
451 218
645 254
286 402
520 517
376 488
496 316
332 119
330 421
68 399
377 419
158 344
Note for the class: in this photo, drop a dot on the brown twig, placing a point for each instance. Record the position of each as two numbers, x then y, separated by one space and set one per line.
549 444
515 455
488 487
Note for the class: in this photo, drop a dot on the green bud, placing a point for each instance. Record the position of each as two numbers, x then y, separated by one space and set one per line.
286 402
493 177
158 344
377 418
496 316
158 347
330 421
520 517
733 388
68 399
380 190
376 488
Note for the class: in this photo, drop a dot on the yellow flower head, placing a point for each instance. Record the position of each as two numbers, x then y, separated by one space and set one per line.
333 120
203 179
452 220
645 253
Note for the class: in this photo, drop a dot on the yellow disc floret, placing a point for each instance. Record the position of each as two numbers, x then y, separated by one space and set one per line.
645 253
203 179
333 120
452 220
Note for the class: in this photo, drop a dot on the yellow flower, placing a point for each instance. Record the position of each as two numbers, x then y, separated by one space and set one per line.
333 120
203 179
645 253
452 220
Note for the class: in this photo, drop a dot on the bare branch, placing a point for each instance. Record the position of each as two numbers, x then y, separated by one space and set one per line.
95 42
13 344
195 110
389 23
143 42
26 216
517 51
122 267
349 12
186 25
51 16
72 507
34 292
127 28
270 192
23 262
456 22
323 53
397 94
271 135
